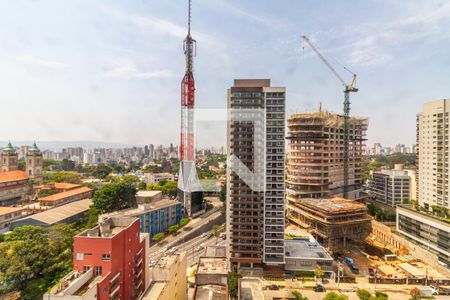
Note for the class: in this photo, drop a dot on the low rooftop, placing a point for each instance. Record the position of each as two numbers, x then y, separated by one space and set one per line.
424 214
148 193
12 176
335 205
75 284
211 292
4 210
108 228
212 265
305 250
63 195
58 186
142 208
215 251
60 213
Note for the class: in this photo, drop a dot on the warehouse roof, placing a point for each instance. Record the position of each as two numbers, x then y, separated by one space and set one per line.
63 195
60 213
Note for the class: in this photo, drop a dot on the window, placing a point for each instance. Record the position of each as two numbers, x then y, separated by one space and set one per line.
98 271
80 256
86 268
106 256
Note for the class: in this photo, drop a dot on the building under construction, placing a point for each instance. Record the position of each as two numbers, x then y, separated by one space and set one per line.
335 222
315 165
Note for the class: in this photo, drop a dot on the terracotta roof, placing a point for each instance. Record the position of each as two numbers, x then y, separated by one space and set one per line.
63 195
65 186
13 176
7 210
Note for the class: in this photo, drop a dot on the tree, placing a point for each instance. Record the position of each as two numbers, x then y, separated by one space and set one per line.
69 177
115 196
33 258
67 165
184 221
174 228
363 294
318 272
233 281
216 229
298 296
158 236
142 186
131 180
101 171
415 294
335 296
380 296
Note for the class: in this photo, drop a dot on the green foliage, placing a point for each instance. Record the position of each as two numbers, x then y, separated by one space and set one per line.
2 237
298 296
158 236
216 229
68 177
169 188
153 169
335 296
233 281
318 272
380 296
33 258
142 186
92 217
49 192
441 211
184 221
101 171
380 214
363 294
174 228
304 273
115 196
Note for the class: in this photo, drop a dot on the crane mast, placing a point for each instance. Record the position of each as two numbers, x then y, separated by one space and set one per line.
348 88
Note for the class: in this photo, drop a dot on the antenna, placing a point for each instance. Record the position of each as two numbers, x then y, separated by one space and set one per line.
189 17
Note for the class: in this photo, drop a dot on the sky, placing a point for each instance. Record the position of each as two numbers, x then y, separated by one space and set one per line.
110 70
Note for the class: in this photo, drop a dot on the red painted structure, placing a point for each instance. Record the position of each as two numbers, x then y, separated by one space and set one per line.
115 250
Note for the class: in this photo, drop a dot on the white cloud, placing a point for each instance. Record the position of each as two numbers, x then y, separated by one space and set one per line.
35 61
371 44
129 70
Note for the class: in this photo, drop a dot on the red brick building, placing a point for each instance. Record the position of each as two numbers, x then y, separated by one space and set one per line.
115 250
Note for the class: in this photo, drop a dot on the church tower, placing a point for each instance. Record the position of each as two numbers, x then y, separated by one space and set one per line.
8 159
34 163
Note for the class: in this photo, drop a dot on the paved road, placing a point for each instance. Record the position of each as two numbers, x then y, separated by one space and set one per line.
156 251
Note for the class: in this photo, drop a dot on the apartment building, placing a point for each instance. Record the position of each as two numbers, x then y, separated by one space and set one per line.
315 164
155 217
390 187
110 262
432 163
428 231
255 176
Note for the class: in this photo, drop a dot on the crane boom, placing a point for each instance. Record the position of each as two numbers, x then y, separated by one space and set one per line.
348 88
324 60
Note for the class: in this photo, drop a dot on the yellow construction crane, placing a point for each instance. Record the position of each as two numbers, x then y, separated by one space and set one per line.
348 89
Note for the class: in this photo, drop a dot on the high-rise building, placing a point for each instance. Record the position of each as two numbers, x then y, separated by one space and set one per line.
390 187
255 176
315 165
433 140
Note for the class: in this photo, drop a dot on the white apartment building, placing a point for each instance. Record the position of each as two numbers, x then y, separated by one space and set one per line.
433 138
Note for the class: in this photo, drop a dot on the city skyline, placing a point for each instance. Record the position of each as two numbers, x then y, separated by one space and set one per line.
125 60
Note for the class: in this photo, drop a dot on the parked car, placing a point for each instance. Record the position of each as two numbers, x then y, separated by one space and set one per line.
273 287
223 236
319 288
173 249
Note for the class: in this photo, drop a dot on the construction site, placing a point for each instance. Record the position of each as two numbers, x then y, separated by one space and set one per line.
315 165
334 222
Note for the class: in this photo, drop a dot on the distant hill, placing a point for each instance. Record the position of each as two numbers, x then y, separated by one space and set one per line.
58 145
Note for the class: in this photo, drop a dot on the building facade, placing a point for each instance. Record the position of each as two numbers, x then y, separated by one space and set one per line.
390 187
110 262
428 231
255 176
315 164
433 160
155 217
14 187
34 163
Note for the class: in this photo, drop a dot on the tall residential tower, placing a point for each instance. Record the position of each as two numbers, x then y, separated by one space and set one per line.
433 139
255 174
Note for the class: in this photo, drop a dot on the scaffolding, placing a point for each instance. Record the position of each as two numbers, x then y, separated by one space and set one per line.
335 222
